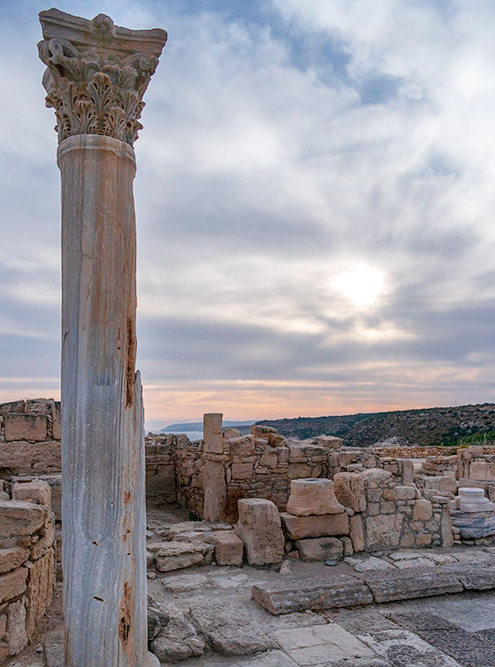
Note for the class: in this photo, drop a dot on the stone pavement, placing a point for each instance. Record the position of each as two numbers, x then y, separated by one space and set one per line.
445 631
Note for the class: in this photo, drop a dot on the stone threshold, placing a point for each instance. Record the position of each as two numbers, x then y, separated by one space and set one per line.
378 587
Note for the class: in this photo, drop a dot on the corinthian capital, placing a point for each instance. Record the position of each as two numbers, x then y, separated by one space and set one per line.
97 73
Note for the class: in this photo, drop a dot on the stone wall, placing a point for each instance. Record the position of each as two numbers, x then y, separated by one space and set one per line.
27 570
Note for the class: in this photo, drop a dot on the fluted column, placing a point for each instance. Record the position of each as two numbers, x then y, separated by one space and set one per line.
96 76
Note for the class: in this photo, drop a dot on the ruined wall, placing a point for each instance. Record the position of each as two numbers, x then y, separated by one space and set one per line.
27 561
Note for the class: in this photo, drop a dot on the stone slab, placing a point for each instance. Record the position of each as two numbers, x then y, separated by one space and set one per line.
314 549
341 591
327 525
413 584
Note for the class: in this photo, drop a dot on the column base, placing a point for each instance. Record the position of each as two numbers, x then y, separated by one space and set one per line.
152 660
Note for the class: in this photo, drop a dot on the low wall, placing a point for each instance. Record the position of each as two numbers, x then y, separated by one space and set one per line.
27 562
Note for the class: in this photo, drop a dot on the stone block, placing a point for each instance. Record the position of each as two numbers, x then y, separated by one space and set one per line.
413 584
327 525
383 530
241 447
16 627
299 470
329 441
404 492
242 470
55 482
25 457
10 559
407 473
356 532
37 491
375 476
229 549
212 433
313 496
13 406
442 484
215 491
340 591
47 539
178 555
32 428
315 549
231 433
18 517
349 490
422 510
13 584
40 589
482 470
260 529
56 421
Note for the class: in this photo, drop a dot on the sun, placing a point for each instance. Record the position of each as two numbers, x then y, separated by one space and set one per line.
363 285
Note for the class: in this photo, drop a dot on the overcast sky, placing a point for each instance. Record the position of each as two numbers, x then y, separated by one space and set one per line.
315 204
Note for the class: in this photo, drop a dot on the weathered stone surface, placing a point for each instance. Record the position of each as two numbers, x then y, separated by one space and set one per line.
13 584
475 578
329 441
40 589
413 584
313 496
16 627
215 491
229 548
47 539
186 582
422 510
18 517
326 525
473 526
320 548
229 433
349 490
10 559
342 591
260 529
12 406
383 530
22 457
37 491
231 629
178 640
443 484
376 476
212 433
482 470
370 564
178 555
32 428
356 532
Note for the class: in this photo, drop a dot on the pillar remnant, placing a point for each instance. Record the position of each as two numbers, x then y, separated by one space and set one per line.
96 77
214 483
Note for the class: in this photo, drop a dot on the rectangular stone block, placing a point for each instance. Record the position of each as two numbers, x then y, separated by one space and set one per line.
56 421
10 559
242 470
482 470
40 589
212 433
412 584
229 549
383 530
18 517
327 525
356 532
13 584
32 428
320 549
37 491
12 406
343 591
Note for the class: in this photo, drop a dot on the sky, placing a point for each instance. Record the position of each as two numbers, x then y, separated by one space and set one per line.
315 207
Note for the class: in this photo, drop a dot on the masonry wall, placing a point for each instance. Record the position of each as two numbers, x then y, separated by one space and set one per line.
27 562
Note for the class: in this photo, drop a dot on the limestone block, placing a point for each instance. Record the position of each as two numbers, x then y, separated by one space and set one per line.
47 539
412 584
241 447
178 555
229 549
178 639
422 510
482 470
342 591
212 433
320 548
230 433
37 491
299 470
13 406
404 493
328 441
326 525
383 530
26 457
442 483
10 559
242 470
356 532
313 496
215 491
56 421
55 482
407 473
18 517
40 589
349 490
32 428
376 476
260 529
348 548
260 431
16 627
13 584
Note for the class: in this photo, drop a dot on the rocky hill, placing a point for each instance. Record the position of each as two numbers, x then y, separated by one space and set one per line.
430 426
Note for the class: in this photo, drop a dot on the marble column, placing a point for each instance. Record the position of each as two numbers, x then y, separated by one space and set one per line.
96 77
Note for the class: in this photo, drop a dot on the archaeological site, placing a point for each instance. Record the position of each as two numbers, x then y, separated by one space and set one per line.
239 549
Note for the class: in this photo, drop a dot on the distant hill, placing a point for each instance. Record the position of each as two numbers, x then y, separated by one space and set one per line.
198 426
429 426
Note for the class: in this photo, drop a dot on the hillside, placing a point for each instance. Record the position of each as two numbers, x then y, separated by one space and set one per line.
430 426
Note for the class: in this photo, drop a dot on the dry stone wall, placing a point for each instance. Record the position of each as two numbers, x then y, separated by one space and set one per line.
27 561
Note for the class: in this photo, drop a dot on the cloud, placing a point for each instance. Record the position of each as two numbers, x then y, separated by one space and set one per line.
314 190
